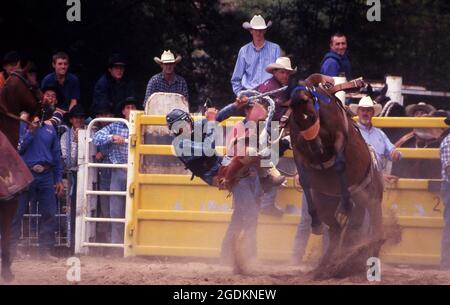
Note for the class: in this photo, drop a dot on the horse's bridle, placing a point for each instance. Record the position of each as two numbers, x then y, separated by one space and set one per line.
31 87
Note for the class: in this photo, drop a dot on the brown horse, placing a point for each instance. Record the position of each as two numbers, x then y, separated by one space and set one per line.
337 171
20 93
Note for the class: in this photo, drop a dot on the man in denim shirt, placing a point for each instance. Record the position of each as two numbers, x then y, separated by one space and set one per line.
40 149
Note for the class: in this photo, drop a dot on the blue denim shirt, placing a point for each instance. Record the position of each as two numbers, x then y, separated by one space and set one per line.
41 147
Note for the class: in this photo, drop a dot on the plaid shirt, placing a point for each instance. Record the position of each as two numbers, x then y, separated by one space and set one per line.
118 154
158 84
445 157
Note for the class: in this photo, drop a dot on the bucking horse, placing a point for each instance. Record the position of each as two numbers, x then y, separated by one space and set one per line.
338 173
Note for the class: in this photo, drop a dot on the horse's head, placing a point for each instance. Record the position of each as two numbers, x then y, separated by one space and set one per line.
305 110
314 120
21 91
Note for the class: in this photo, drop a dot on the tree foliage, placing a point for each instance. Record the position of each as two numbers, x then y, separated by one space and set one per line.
411 40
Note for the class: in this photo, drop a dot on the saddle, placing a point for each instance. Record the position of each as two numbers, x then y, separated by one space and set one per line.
15 176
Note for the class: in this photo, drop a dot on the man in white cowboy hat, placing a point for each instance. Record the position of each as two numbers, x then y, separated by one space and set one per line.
281 70
254 57
366 110
167 80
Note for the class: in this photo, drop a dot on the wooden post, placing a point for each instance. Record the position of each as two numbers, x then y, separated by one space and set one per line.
340 94
395 84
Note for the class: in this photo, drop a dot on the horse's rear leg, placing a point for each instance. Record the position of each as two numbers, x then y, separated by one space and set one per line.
7 212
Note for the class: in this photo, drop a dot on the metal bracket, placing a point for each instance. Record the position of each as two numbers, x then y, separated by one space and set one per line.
133 140
132 190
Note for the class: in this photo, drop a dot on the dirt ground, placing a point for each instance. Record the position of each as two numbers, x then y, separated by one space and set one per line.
162 271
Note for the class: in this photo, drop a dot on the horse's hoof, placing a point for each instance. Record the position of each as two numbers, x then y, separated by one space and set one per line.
7 275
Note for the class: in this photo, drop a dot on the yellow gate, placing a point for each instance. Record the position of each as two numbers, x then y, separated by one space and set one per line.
170 215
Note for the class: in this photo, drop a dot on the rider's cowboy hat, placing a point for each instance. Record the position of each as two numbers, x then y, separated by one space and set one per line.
411 109
167 57
366 102
283 63
257 23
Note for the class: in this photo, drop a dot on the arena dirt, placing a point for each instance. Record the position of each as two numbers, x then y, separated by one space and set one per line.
137 271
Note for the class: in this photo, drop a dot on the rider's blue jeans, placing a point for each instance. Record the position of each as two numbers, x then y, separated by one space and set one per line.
246 196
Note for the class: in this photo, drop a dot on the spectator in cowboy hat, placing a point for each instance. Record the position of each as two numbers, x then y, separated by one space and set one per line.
254 57
116 134
366 110
104 175
281 71
167 80
113 86
69 152
417 110
10 63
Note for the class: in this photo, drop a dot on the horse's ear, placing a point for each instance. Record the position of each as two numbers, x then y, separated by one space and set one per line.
369 90
384 90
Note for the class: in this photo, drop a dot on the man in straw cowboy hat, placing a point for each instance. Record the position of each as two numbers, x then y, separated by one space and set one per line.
366 110
282 71
420 109
254 57
167 80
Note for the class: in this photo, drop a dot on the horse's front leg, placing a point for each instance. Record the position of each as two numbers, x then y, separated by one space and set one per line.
346 205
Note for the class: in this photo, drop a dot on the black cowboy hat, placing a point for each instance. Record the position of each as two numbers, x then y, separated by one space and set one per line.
53 87
116 60
77 110
11 58
130 101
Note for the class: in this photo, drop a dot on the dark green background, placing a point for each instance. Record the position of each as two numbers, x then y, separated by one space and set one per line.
412 39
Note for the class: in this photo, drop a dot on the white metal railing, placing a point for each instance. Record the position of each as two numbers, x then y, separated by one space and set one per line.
84 193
